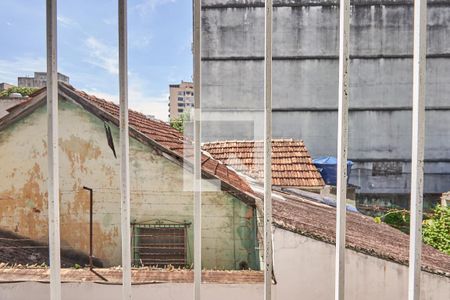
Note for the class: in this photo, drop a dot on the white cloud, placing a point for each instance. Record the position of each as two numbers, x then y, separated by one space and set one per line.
150 105
149 5
139 100
20 66
110 21
139 41
102 55
66 22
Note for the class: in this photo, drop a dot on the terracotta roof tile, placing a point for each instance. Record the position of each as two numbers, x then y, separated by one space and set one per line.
167 137
363 234
291 162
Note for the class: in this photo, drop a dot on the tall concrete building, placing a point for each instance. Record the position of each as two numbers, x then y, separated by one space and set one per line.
39 80
181 98
305 84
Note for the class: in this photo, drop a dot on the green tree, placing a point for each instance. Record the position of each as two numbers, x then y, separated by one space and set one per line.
178 122
436 229
24 91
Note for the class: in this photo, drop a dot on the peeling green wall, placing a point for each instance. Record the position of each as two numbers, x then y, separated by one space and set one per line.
160 191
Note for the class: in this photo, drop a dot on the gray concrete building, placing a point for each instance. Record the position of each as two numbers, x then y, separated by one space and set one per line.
305 85
39 80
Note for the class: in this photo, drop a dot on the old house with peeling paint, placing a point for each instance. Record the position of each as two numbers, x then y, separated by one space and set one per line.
161 199
161 186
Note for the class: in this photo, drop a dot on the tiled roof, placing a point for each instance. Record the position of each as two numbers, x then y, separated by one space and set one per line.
167 137
139 276
291 162
155 131
363 234
16 249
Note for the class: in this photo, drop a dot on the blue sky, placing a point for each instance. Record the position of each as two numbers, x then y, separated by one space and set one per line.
159 45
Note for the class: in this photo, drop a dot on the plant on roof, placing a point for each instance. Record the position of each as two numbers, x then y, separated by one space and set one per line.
397 218
178 122
436 229
24 91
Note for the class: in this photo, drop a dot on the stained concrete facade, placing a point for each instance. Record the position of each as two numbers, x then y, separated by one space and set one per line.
160 191
305 84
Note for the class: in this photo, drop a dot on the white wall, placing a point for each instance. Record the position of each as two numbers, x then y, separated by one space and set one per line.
304 269
173 291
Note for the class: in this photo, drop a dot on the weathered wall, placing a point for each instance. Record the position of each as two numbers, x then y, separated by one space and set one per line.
157 191
305 80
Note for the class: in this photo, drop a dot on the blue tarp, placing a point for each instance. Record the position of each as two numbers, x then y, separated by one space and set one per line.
318 198
327 166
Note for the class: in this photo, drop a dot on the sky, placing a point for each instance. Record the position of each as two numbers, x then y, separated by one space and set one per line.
159 46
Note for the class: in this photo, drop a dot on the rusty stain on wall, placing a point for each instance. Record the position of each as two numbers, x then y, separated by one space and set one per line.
157 191
78 151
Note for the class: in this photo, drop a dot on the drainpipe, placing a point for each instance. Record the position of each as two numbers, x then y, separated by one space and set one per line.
91 202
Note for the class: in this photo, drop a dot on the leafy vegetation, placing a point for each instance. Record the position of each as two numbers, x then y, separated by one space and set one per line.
178 122
397 218
24 91
435 227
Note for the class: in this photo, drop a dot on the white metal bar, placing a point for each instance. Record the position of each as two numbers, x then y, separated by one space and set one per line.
268 261
53 157
197 153
125 153
342 147
418 136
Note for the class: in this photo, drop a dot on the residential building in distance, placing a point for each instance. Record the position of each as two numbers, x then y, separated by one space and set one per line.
181 98
39 80
5 86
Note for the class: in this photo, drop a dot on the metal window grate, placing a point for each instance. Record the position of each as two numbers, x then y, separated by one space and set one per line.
160 244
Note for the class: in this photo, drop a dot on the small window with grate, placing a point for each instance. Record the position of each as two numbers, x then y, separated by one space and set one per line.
160 245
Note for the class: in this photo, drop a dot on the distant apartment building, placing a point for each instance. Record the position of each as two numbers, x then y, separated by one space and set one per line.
39 80
5 86
181 98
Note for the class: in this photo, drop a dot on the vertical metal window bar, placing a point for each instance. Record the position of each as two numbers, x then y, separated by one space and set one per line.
53 158
342 147
125 153
197 152
418 136
268 267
